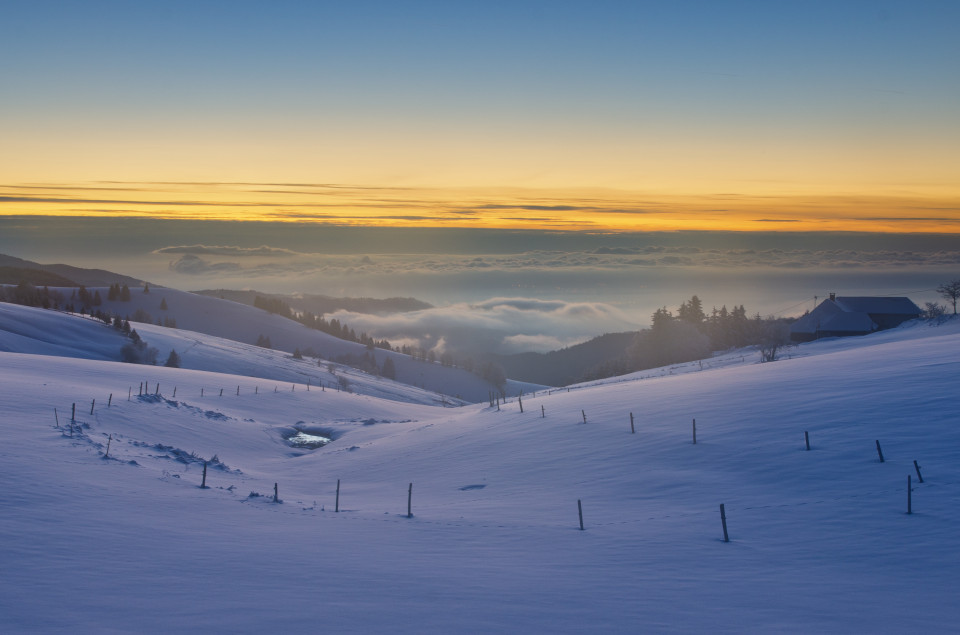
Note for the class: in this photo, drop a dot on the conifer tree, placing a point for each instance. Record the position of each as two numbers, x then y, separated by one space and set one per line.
173 360
388 370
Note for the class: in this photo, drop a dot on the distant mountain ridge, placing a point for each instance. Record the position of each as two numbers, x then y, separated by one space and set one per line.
567 365
15 270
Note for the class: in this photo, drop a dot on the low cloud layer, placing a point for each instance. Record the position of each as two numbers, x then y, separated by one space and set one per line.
498 325
266 261
218 250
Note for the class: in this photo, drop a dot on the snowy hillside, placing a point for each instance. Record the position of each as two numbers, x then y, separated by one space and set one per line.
819 540
198 316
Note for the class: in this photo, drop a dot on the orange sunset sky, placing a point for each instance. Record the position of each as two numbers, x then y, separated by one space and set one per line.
640 116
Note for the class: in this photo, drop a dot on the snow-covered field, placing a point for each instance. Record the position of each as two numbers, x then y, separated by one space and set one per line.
216 334
819 540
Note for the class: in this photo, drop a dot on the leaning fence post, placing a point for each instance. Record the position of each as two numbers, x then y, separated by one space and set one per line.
109 400
632 430
174 392
879 451
106 454
806 438
915 465
56 418
520 401
92 404
723 521
584 416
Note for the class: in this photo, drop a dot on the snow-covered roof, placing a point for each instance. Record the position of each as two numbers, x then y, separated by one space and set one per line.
848 323
888 306
852 314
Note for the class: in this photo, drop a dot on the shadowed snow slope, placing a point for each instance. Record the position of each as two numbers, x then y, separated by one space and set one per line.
819 540
33 330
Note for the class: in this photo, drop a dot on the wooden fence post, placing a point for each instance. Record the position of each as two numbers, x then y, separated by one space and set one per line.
580 511
694 431
73 412
632 429
917 467
520 401
410 501
109 400
543 412
203 484
158 388
337 507
584 416
806 439
56 418
909 496
92 404
723 521
276 494
174 392
879 451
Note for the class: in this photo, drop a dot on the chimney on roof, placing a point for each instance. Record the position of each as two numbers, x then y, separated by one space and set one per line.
833 297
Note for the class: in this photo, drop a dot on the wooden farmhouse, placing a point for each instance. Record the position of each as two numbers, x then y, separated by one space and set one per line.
843 316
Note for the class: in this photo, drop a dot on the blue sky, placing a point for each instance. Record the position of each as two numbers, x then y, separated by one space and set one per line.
675 98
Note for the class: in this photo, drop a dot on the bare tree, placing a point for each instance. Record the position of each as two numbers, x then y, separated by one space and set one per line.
774 336
934 310
950 291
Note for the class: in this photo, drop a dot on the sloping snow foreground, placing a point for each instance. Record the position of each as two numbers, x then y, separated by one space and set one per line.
819 540
26 329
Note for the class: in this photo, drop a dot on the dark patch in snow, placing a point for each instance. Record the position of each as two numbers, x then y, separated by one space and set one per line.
187 458
209 414
467 488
